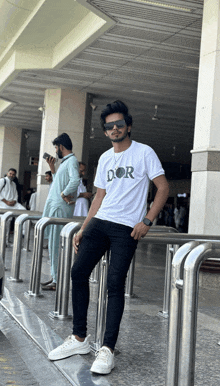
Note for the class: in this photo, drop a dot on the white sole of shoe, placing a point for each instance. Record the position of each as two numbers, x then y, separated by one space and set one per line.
56 357
100 370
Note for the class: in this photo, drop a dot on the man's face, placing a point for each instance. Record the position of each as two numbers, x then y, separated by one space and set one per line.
59 151
82 170
116 134
48 178
11 175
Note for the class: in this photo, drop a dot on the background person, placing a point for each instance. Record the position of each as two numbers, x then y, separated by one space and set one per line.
60 199
49 178
82 201
8 191
9 196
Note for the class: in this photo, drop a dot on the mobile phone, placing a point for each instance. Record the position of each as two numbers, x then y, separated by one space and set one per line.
46 155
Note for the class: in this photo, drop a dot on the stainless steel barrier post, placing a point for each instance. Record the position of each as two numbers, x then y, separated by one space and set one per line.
130 278
94 277
175 312
34 289
171 250
4 218
64 270
16 255
27 234
101 305
130 275
189 313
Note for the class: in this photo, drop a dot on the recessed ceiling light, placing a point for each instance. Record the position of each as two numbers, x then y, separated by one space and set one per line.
164 5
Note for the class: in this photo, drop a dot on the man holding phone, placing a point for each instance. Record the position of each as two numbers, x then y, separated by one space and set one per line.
61 198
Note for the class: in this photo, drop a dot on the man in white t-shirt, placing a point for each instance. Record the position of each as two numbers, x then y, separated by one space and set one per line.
117 219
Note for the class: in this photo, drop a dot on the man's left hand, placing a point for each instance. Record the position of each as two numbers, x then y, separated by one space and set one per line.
68 199
140 230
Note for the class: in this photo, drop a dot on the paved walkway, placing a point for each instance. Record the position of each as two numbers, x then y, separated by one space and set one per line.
142 342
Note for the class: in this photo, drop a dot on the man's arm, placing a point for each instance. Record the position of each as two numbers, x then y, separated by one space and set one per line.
1 189
85 195
74 179
140 229
96 203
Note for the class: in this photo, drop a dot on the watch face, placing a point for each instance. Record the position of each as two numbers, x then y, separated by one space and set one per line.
147 222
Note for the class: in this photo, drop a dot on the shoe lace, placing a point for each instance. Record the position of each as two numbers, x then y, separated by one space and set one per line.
68 340
103 354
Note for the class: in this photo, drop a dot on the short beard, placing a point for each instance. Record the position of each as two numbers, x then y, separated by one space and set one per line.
119 139
59 153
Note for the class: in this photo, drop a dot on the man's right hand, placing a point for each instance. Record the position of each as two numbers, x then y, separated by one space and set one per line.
9 203
51 161
77 238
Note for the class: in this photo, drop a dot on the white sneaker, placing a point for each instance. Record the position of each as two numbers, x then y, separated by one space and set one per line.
70 346
104 363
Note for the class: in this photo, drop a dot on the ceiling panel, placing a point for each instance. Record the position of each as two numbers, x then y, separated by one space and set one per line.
150 57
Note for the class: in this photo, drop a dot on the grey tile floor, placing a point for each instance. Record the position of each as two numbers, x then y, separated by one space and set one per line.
142 342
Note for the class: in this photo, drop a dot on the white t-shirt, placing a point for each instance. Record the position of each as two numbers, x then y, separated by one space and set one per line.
126 176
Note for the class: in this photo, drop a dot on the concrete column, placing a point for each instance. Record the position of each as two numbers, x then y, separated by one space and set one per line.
205 198
10 143
65 111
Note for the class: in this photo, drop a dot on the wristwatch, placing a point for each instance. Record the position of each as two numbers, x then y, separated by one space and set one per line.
147 222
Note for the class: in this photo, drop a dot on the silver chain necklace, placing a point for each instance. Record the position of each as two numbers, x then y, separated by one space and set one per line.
116 160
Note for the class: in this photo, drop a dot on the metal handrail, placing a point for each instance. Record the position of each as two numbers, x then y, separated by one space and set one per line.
64 270
4 218
170 252
189 313
101 304
34 288
170 249
17 212
175 312
95 275
180 238
130 278
16 255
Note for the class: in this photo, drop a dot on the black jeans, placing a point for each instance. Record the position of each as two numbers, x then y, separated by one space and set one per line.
99 236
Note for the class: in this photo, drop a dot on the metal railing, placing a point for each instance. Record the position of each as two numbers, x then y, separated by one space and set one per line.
64 270
16 255
7 215
183 311
34 289
101 304
4 218
170 250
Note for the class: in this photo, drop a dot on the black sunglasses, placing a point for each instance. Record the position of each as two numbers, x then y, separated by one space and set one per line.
119 124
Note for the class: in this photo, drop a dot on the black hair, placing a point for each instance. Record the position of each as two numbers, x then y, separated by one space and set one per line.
116 107
82 163
63 139
49 172
13 170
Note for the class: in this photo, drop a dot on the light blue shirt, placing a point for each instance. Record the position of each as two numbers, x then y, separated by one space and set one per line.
65 180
